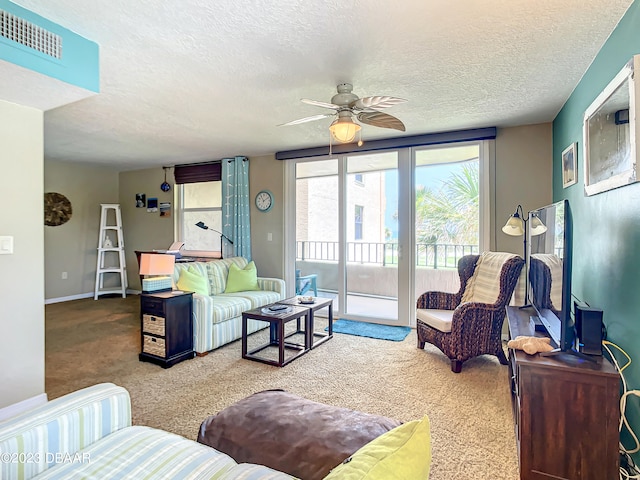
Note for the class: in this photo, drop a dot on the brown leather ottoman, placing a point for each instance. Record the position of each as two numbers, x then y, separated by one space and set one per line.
288 433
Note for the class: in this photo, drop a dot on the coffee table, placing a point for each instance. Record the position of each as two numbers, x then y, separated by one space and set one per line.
315 338
277 337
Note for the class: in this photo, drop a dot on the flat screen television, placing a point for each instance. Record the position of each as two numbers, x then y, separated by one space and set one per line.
549 273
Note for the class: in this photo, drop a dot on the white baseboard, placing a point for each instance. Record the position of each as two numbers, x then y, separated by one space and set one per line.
23 406
68 299
83 295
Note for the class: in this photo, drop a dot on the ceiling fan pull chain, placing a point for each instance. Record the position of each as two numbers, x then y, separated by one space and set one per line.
330 145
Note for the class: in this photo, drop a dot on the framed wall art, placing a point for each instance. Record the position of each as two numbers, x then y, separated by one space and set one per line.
569 165
610 133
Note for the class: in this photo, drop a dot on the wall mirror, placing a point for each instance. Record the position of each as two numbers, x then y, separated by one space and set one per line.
610 134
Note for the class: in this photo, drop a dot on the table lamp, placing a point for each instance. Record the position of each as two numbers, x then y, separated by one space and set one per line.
159 268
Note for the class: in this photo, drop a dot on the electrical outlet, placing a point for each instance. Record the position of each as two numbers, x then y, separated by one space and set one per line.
64 275
269 237
6 245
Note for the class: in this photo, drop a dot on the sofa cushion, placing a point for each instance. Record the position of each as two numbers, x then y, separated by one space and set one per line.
242 279
198 267
191 281
218 271
143 452
225 306
258 298
402 453
62 425
291 434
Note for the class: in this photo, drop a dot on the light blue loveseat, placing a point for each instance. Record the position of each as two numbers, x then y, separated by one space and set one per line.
88 434
217 317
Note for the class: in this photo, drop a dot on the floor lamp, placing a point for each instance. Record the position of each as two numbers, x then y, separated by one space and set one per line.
222 235
516 226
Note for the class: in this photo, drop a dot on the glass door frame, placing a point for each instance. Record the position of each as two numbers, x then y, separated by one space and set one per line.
406 222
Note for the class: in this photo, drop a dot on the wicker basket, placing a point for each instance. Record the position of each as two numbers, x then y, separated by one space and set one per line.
153 324
154 346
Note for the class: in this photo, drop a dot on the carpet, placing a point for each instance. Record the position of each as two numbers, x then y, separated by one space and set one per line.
371 330
89 341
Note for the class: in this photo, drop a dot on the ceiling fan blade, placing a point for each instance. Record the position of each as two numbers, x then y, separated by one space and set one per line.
320 104
379 119
308 119
376 102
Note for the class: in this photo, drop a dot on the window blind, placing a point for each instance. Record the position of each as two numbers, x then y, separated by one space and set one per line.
198 172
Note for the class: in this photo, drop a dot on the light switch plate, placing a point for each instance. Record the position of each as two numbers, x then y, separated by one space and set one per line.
6 245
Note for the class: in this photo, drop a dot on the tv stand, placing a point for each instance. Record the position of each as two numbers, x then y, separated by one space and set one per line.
566 411
572 351
537 324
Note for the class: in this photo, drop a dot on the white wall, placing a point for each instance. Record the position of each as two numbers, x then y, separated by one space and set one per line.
72 246
21 274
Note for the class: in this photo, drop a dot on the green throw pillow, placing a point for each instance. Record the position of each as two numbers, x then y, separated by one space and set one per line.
242 280
191 281
401 453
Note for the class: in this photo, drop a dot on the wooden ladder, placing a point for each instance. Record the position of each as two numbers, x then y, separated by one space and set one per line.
110 253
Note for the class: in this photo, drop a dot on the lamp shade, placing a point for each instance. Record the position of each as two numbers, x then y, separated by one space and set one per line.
344 130
537 227
160 264
514 226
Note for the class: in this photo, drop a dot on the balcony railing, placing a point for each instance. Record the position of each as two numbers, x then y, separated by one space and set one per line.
430 255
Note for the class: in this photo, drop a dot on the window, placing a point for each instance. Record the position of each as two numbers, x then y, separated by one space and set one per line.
358 222
358 179
199 202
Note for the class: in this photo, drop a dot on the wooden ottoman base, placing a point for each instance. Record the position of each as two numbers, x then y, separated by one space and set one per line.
286 432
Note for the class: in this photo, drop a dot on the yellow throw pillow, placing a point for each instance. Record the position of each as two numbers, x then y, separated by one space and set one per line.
191 281
242 280
401 453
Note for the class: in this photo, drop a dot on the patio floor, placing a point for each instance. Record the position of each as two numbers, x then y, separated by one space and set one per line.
365 305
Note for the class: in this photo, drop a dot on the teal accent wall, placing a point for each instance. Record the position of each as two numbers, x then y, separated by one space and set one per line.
606 226
79 64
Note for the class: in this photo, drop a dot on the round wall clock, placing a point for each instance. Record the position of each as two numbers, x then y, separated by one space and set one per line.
57 209
264 200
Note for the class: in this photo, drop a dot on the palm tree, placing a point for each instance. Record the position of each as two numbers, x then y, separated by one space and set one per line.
450 213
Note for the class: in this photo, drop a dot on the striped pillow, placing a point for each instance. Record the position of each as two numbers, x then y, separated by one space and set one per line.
484 284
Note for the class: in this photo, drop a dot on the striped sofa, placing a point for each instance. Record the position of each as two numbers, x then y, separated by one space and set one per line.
217 317
88 434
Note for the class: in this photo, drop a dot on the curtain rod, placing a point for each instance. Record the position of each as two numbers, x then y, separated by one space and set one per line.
488 133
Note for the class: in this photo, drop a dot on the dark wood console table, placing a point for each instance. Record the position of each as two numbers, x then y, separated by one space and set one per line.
566 412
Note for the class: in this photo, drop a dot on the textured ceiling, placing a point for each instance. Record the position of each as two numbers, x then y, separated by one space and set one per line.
193 81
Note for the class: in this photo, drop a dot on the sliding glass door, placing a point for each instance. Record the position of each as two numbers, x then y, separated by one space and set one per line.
374 230
371 236
447 213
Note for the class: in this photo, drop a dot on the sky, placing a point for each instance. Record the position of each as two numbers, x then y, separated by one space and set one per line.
429 176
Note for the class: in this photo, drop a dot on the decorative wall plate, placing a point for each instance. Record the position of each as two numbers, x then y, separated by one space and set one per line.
57 209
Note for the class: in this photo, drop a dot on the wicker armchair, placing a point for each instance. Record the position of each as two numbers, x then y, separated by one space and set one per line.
474 328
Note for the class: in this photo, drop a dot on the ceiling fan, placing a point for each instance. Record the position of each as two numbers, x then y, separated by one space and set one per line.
347 105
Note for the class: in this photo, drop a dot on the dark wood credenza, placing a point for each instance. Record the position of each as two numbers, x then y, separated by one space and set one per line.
566 411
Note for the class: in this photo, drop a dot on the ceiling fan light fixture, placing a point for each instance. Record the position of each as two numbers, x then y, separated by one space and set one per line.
344 129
